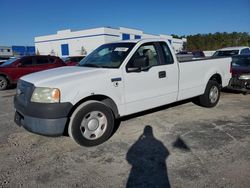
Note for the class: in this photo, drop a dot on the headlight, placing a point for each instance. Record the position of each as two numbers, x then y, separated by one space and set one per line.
46 95
244 77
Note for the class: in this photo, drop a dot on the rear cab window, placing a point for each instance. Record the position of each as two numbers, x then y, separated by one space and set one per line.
167 55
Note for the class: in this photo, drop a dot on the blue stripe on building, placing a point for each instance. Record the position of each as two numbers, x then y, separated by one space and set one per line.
85 36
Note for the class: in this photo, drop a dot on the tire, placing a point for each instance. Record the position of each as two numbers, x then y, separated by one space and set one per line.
211 96
91 124
3 83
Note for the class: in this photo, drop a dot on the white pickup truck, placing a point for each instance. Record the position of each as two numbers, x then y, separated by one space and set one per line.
115 80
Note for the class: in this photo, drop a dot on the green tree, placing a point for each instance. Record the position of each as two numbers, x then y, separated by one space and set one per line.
217 40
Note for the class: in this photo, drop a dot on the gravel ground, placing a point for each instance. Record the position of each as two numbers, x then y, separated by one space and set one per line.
181 145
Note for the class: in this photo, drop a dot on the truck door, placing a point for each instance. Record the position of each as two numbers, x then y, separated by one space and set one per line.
154 85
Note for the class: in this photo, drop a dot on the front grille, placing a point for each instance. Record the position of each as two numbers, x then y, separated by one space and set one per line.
24 92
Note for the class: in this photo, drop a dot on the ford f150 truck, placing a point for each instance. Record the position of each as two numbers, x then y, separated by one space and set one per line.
115 80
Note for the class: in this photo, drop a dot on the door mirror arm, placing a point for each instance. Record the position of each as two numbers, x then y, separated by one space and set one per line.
133 69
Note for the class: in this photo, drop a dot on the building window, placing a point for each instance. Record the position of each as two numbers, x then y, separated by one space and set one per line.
125 36
8 50
65 49
137 37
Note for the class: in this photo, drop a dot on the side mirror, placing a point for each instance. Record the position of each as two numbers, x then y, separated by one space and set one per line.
138 63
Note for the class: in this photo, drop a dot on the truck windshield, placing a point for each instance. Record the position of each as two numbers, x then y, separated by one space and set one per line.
108 55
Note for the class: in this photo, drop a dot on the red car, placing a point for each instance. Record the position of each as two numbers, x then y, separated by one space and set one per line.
13 69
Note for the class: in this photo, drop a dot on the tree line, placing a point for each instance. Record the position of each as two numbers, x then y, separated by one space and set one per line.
215 41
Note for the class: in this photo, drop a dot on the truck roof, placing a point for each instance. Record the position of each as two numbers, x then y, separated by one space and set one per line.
233 48
138 40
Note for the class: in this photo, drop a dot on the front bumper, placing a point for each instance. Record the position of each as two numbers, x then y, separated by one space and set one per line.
43 119
239 85
47 127
40 118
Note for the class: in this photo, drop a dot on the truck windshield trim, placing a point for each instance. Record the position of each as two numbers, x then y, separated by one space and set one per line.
108 55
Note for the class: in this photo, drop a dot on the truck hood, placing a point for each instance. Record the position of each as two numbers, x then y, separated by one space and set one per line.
65 74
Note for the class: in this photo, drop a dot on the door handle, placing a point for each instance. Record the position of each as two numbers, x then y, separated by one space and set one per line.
162 74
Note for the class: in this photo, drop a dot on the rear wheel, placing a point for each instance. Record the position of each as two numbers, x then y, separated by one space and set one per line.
211 96
3 83
91 124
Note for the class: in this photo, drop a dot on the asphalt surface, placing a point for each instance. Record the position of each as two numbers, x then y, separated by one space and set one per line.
180 145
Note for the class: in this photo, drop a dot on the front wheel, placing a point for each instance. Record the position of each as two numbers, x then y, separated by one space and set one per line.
211 96
3 83
91 124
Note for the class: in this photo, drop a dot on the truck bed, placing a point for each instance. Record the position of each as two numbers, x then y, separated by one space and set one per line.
195 74
186 60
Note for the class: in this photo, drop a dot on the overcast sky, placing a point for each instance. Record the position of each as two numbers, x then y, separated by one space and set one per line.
22 20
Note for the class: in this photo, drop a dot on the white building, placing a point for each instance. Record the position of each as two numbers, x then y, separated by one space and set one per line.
75 43
6 51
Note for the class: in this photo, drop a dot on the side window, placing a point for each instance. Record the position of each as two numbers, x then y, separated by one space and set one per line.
52 60
168 58
27 61
42 60
148 51
245 51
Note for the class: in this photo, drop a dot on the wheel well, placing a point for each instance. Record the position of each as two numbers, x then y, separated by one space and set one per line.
102 98
217 78
5 76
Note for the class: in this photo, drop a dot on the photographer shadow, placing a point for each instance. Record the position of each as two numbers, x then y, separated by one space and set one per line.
148 159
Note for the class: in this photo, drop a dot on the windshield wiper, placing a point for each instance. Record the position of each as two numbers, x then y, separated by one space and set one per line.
91 65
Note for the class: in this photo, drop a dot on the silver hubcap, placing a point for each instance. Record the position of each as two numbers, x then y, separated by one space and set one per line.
214 94
2 83
93 125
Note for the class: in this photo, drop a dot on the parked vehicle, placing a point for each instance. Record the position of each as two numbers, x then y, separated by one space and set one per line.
14 68
188 56
72 60
115 80
241 74
231 51
198 54
184 56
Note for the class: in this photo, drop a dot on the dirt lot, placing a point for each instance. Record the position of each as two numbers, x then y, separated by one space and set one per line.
182 145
